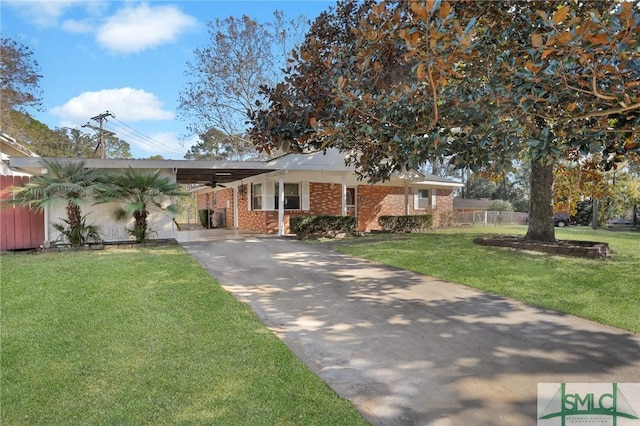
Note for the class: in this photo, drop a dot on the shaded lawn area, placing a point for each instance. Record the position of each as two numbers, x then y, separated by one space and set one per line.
607 292
144 337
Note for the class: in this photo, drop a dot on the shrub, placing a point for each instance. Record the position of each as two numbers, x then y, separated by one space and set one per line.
584 213
322 225
405 223
78 235
500 206
205 219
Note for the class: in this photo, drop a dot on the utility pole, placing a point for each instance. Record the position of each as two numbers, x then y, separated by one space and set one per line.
100 150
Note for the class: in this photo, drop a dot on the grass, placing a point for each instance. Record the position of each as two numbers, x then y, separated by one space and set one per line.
144 337
607 291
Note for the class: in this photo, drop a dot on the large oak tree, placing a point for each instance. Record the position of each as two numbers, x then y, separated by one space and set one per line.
481 83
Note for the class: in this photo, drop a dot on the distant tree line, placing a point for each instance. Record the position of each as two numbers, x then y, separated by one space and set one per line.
20 91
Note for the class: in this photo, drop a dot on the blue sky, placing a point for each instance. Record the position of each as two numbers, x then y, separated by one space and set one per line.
127 57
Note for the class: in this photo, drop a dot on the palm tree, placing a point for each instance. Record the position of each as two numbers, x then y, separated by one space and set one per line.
139 192
67 182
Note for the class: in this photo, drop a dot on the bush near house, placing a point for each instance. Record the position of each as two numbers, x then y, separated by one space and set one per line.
204 216
410 223
322 225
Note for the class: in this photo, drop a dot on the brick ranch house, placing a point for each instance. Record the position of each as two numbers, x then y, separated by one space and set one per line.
308 183
320 183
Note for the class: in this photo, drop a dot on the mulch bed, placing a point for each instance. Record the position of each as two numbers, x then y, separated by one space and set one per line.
111 245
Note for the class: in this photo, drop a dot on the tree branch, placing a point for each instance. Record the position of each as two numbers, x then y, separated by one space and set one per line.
605 112
594 86
436 115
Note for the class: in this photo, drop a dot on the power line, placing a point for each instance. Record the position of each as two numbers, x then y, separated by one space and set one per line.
135 135
127 133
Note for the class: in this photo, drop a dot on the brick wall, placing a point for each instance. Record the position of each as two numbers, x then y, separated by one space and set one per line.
249 220
325 198
223 199
203 200
375 201
443 215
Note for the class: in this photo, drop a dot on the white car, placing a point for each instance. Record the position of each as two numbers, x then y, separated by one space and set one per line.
619 221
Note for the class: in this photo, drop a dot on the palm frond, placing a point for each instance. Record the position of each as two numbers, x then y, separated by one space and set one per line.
64 182
138 192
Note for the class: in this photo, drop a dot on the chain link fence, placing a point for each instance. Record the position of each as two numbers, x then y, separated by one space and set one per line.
490 218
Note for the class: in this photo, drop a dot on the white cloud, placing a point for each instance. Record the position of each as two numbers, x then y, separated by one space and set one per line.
127 104
137 28
45 14
76 26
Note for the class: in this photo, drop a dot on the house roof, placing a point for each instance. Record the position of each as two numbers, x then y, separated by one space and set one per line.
202 171
471 203
187 171
332 160
9 147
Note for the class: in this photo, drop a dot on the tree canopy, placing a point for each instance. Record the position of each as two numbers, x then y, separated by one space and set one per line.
483 84
225 76
62 142
217 145
19 82
20 79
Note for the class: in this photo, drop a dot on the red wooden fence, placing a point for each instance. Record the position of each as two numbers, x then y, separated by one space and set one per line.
20 228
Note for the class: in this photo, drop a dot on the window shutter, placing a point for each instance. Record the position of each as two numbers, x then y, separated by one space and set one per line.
268 194
305 204
249 199
416 199
433 198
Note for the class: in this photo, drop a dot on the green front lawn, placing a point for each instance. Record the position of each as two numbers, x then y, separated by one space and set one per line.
144 337
604 291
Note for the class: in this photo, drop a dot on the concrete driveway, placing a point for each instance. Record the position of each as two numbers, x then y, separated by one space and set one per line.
408 349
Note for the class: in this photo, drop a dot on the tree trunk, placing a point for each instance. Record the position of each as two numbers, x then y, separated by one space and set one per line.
140 225
74 215
541 203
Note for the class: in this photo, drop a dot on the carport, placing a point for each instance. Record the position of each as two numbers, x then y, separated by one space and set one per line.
187 172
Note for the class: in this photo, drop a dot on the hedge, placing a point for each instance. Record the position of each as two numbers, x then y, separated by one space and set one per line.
322 225
405 223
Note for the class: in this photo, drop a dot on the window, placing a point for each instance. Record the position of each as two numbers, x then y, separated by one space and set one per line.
422 198
265 196
291 196
256 199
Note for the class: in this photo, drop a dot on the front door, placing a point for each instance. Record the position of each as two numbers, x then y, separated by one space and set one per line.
351 201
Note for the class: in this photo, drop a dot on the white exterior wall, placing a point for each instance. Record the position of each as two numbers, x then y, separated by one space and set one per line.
101 215
111 230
